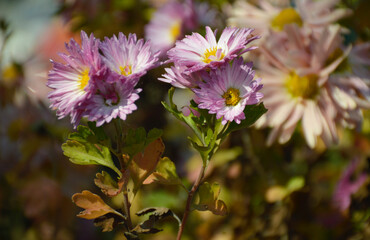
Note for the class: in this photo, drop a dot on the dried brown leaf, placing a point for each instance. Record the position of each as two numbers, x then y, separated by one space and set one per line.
144 164
109 186
94 206
106 223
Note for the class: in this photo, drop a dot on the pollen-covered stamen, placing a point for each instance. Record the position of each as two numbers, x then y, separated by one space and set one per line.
231 97
302 86
83 79
286 16
213 54
126 70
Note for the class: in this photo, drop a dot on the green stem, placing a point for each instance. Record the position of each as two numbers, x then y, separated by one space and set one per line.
126 202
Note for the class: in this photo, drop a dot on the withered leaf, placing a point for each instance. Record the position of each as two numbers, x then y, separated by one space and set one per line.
157 211
94 206
108 185
105 222
156 214
208 199
131 236
144 164
165 172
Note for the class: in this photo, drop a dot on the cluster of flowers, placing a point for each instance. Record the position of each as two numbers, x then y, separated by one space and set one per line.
216 74
99 78
310 75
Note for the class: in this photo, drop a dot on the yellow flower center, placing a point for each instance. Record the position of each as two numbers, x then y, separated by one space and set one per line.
83 79
210 55
10 74
125 71
286 16
175 31
302 87
231 97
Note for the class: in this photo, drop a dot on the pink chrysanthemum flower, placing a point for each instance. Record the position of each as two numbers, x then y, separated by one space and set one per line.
227 90
73 82
128 58
177 78
112 100
196 52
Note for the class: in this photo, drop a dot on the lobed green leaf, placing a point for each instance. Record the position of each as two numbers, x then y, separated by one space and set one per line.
86 153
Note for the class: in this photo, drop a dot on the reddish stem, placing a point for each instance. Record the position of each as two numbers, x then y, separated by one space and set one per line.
188 202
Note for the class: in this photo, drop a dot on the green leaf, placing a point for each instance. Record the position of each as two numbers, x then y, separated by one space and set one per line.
208 199
189 120
135 141
252 114
209 136
98 131
295 184
83 134
165 172
153 134
278 193
85 153
223 156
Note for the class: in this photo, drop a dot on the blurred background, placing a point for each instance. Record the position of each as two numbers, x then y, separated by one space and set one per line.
281 191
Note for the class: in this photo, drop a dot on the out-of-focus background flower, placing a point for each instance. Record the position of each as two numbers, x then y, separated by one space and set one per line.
301 173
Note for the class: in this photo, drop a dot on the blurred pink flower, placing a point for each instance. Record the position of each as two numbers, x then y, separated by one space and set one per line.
173 19
349 85
359 60
320 13
259 17
346 186
265 16
168 24
296 66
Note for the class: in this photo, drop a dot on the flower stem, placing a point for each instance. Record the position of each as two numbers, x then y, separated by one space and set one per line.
189 200
126 202
127 206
